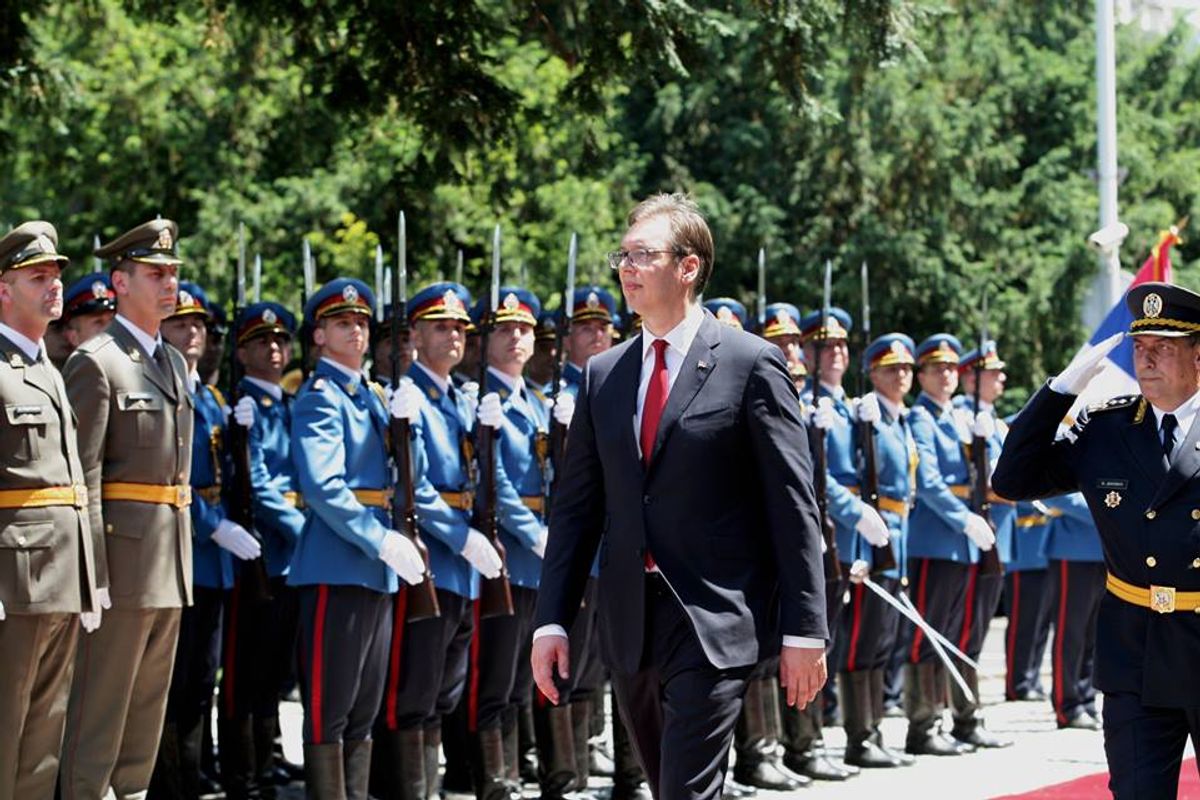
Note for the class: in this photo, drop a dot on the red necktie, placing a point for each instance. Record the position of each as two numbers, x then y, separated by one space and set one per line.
652 408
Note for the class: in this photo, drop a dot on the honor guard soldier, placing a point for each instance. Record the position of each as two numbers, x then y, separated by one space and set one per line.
262 662
347 558
89 305
944 538
427 667
1135 459
216 540
593 316
129 391
869 625
1074 592
784 330
499 678
540 369
1027 598
46 553
983 589
381 350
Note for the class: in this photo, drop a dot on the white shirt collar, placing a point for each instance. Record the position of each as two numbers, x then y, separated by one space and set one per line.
354 375
193 381
515 385
273 389
894 411
942 407
438 380
1185 415
28 346
147 342
680 337
836 392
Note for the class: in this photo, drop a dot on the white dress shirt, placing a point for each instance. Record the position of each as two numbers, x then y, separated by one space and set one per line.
147 342
679 341
273 389
1185 415
354 375
28 346
891 409
438 380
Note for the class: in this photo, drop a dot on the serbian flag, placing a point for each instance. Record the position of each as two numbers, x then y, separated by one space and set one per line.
1117 378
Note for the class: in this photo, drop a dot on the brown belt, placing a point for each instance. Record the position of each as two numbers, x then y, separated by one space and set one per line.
158 494
460 501
46 496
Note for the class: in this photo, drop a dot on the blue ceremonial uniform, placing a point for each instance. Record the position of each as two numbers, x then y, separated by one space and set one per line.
572 378
212 566
1003 512
273 475
939 515
896 466
841 460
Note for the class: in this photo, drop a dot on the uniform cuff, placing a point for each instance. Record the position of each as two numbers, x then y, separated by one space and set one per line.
550 630
807 642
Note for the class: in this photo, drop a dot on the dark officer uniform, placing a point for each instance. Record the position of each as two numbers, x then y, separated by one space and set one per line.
1141 487
340 450
46 563
260 639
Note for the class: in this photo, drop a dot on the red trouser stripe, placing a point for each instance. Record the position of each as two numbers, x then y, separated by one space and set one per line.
230 675
968 608
318 662
915 653
856 627
398 623
1060 636
1014 617
473 689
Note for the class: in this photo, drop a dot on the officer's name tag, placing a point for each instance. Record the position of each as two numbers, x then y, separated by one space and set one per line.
1112 483
27 411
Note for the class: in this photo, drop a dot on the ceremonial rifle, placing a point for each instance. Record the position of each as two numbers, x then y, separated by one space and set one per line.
989 560
305 333
882 557
558 432
422 598
240 492
833 567
495 594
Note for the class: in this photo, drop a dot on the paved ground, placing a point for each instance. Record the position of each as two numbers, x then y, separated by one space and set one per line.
1041 755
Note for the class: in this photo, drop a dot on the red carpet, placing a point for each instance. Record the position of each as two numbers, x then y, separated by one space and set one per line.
1090 787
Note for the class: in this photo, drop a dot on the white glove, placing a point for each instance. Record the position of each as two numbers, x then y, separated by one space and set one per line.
90 620
984 426
868 408
243 412
237 540
979 532
1075 377
479 552
405 402
489 412
539 549
564 409
103 599
399 553
871 527
2 614
823 414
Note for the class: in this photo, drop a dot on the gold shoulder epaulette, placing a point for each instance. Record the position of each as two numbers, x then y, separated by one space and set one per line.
217 394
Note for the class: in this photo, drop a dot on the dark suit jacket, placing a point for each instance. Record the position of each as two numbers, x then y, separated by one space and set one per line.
1147 517
726 507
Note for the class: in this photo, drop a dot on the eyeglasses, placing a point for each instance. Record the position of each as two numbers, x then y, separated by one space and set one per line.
640 258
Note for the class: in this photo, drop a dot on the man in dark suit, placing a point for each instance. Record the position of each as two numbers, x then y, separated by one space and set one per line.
1136 459
700 578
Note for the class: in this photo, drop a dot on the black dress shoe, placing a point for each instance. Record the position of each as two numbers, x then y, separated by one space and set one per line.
631 791
935 743
818 766
981 737
869 755
1082 721
764 775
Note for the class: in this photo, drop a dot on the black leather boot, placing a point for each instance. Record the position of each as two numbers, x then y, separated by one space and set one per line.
356 756
324 772
968 722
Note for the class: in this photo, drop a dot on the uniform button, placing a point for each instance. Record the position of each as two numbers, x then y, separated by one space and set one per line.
21 541
1151 514
1196 563
645 499
179 441
1196 513
108 529
1151 561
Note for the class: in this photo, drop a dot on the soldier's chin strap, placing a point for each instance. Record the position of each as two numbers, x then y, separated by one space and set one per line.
860 573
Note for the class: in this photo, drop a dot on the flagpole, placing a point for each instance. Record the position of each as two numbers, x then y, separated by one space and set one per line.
1107 178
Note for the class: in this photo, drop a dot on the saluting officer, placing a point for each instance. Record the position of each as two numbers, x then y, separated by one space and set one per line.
1075 589
128 388
46 550
944 539
347 558
89 305
1135 459
216 540
983 590
264 659
869 625
427 666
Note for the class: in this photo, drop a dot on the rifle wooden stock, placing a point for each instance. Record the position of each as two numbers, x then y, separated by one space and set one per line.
422 598
833 567
882 557
989 560
495 594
